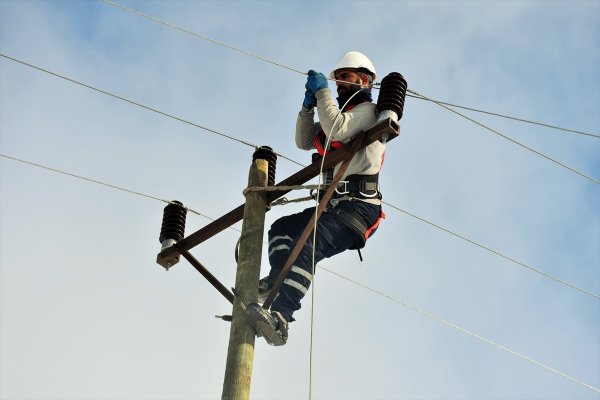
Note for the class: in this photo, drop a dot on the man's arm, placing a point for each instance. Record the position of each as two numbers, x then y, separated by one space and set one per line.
306 129
343 126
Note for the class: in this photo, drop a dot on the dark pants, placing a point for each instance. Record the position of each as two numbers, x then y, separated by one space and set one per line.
332 237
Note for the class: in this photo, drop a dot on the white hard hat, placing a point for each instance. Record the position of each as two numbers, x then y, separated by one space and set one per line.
354 59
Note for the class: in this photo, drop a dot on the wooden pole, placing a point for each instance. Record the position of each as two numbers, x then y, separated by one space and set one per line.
240 355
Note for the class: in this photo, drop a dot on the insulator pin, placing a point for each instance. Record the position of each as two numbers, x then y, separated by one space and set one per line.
173 228
173 224
392 93
267 153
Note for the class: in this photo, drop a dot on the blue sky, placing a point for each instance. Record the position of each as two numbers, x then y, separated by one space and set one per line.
85 313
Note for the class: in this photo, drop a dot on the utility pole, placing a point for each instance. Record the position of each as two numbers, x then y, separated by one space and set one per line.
240 354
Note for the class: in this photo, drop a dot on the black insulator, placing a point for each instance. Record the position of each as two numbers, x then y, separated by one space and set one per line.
173 223
392 93
267 153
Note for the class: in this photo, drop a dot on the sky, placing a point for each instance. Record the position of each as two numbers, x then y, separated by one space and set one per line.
85 311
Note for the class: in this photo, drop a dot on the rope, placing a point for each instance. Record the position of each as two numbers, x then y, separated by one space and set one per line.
463 330
277 188
509 138
284 200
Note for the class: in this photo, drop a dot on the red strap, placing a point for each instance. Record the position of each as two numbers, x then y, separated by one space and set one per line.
375 225
320 137
320 141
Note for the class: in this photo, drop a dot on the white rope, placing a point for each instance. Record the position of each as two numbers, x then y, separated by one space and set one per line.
325 147
277 188
463 330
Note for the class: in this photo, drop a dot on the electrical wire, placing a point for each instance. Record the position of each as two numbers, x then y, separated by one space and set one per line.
484 247
298 163
507 117
416 94
202 36
255 146
281 155
375 291
533 269
304 73
508 138
463 330
97 182
140 105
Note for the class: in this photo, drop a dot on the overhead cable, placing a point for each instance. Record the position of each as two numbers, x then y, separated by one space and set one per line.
463 330
541 273
138 104
202 36
304 72
375 291
283 156
97 182
495 252
508 138
507 117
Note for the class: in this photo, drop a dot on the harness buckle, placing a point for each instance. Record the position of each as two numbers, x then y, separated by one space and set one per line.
345 186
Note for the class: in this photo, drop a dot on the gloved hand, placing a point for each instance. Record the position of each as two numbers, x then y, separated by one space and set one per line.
315 81
310 100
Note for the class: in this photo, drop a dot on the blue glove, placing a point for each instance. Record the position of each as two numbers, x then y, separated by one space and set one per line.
310 100
316 81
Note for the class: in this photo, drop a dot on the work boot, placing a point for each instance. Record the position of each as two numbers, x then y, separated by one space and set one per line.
265 285
271 325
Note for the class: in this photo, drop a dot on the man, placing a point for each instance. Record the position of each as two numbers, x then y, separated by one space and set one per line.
354 211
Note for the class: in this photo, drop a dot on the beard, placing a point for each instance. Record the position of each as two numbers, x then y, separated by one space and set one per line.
347 89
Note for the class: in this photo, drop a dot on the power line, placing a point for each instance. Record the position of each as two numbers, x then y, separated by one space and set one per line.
544 274
160 21
281 155
97 182
321 267
203 37
138 104
509 138
463 330
296 162
507 117
495 252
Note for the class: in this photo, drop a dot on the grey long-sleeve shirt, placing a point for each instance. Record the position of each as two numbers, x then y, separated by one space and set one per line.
342 127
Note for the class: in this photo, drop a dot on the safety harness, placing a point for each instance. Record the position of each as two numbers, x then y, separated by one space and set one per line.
355 186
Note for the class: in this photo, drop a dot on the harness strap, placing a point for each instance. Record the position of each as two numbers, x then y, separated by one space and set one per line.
355 221
359 186
375 225
321 138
